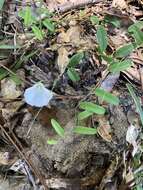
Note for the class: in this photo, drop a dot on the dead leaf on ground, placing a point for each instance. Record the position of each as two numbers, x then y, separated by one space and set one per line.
10 109
72 35
104 129
9 90
63 59
5 158
120 4
130 177
117 40
133 73
131 138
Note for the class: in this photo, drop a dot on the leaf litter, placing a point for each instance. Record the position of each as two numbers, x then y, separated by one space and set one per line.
73 57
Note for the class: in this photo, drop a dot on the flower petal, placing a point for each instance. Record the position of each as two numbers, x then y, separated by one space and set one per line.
38 95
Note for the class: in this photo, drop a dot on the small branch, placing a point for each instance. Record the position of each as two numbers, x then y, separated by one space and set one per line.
80 3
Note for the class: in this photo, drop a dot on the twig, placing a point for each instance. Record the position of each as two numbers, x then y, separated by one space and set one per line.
30 127
11 72
80 3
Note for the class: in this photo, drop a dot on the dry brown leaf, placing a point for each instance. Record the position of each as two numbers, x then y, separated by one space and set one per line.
117 40
120 4
63 38
5 158
133 73
9 90
63 59
10 109
104 129
74 34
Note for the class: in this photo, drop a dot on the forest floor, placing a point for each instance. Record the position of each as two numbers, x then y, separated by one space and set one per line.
71 95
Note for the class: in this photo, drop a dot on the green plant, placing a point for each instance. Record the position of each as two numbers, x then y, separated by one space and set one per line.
36 20
117 60
74 61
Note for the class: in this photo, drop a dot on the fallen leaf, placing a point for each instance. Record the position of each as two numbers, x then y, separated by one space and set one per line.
133 73
10 109
63 59
5 158
74 34
119 3
129 176
117 40
63 38
104 129
131 137
9 90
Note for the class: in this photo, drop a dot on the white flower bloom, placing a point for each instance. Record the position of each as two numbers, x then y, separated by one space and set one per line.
38 95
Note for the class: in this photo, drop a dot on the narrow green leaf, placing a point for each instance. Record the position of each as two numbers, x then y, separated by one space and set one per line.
137 102
49 25
75 59
106 96
94 20
5 46
73 75
120 66
52 141
85 130
102 38
91 107
1 4
83 115
124 50
38 33
27 16
59 130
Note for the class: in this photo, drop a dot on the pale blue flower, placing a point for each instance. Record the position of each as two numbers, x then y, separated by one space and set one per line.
38 95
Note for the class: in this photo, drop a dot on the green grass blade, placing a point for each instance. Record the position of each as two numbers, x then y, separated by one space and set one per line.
4 46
